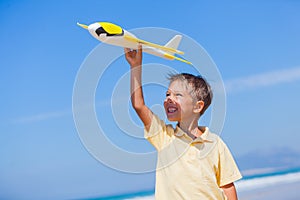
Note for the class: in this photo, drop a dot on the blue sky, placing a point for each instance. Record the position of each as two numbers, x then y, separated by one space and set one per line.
255 45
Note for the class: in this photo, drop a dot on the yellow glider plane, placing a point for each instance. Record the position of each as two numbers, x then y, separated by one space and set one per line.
113 34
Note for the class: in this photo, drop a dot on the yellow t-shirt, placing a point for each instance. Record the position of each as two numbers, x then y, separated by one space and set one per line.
190 169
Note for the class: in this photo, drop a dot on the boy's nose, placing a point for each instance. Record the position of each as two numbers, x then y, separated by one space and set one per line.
170 98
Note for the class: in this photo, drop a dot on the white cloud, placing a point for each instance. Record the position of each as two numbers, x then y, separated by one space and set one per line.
239 84
262 80
55 114
42 116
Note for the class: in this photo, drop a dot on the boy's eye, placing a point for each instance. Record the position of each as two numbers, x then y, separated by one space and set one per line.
178 94
168 94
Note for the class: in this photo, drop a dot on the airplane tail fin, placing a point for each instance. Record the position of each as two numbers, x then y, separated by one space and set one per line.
174 42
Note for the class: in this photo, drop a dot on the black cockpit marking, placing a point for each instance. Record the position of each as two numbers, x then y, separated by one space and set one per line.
101 30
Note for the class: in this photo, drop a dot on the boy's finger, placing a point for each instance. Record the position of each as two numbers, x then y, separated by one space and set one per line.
140 49
126 50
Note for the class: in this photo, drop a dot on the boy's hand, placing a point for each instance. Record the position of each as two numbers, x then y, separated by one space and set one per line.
134 57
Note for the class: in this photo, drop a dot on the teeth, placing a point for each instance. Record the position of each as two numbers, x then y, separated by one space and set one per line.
171 110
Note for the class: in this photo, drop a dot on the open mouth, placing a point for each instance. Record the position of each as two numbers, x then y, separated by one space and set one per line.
172 109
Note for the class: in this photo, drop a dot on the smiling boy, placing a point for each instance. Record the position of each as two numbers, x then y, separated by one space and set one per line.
193 163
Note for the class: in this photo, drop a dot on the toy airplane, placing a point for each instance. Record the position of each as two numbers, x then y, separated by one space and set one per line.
113 34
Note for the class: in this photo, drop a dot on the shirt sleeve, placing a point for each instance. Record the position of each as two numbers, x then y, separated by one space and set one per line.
228 170
159 133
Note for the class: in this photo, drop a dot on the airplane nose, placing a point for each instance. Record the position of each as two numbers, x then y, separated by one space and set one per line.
82 25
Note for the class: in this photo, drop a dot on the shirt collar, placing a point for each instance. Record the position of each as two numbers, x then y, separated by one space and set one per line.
201 139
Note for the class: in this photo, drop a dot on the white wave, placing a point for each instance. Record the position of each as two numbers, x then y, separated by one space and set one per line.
266 170
143 198
244 185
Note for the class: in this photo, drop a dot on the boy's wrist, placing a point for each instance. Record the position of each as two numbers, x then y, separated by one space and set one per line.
135 65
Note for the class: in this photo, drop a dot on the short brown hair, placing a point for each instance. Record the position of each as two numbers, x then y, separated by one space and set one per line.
201 90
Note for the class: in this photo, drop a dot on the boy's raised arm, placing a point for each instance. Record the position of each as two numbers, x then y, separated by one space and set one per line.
134 58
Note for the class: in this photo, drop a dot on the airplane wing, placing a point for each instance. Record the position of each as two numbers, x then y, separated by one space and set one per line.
168 49
172 57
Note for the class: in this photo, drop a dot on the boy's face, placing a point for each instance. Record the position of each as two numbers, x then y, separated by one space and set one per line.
179 104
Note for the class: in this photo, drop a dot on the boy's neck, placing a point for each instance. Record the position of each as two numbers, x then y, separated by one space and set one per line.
191 128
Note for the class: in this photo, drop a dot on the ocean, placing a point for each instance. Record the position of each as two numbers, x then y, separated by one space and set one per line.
261 184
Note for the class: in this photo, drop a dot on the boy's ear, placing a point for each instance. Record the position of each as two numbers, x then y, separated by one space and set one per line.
199 106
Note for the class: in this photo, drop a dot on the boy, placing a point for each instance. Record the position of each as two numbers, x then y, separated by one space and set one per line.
192 162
